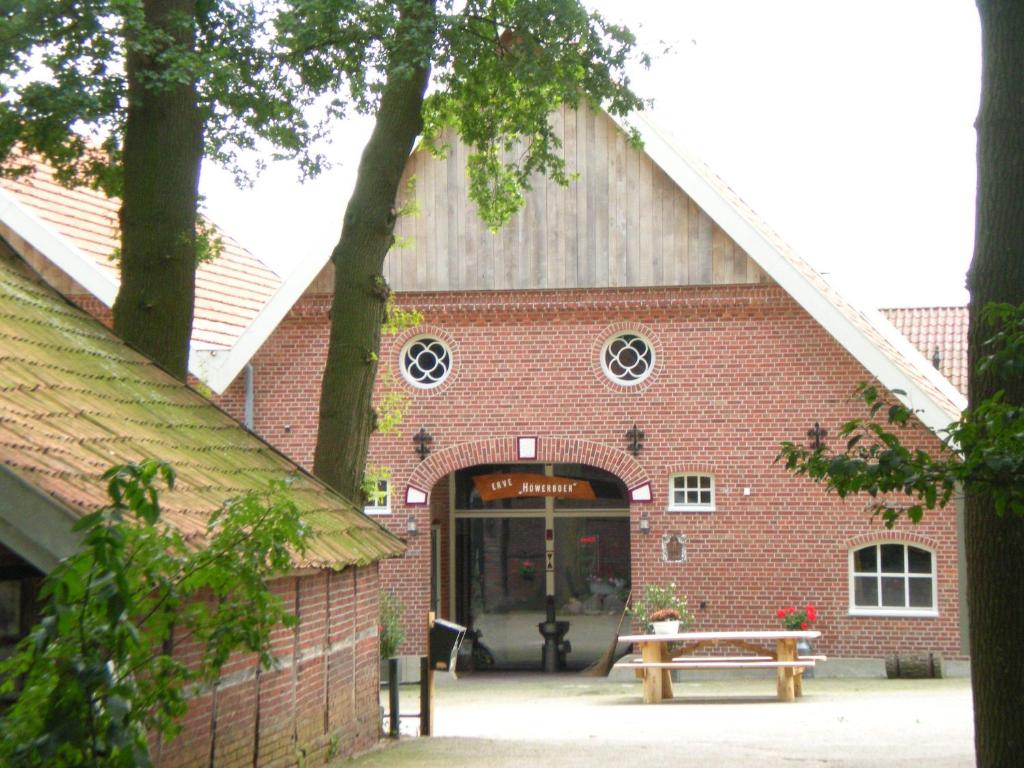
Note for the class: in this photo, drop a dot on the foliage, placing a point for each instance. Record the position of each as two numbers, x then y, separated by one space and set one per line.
64 94
98 673
983 451
658 598
798 618
390 625
373 479
664 614
500 69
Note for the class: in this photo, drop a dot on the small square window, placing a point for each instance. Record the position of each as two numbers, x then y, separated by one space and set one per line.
692 493
380 504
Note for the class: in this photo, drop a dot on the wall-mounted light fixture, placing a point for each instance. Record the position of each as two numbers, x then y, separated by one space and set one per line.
410 525
817 436
423 439
634 440
644 523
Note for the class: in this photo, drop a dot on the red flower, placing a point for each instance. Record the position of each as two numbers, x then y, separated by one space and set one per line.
812 612
791 610
803 625
780 613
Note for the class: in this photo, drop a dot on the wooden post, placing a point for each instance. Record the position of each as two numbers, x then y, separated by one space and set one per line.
785 650
657 682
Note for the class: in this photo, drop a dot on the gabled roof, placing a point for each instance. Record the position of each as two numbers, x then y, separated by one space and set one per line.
77 229
941 330
864 333
75 399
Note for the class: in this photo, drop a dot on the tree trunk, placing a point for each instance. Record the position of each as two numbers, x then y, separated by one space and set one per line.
163 149
346 415
995 545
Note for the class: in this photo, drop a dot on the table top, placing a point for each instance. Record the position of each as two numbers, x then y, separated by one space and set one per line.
684 637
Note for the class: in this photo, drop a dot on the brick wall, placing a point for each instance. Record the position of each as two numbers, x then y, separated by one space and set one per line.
738 370
321 701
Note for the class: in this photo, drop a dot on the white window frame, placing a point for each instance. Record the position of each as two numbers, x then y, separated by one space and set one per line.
904 610
384 508
409 379
674 506
604 363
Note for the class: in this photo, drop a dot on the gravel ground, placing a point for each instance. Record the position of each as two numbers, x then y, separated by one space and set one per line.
500 721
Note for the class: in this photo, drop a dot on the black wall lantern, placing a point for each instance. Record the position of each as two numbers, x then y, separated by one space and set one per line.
423 439
817 436
634 440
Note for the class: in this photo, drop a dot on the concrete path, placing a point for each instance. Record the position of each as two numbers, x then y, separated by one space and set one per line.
501 721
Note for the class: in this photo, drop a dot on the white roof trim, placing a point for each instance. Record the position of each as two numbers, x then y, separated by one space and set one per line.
218 368
737 222
59 251
215 367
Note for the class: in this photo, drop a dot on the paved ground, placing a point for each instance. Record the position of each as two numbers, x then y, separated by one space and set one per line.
501 721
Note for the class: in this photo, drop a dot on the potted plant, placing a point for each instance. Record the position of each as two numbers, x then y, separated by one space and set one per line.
661 605
796 619
665 621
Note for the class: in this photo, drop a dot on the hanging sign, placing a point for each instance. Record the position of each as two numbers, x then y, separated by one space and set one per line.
513 485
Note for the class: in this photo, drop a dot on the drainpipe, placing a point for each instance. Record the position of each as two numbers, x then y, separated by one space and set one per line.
249 397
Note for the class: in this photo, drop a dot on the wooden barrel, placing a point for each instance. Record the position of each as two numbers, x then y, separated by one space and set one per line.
913 665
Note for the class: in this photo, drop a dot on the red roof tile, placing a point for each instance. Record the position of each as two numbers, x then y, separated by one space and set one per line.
230 290
937 329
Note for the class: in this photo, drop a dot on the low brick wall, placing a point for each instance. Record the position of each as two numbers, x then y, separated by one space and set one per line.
319 703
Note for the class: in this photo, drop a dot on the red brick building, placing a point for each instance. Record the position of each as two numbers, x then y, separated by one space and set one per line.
643 331
76 400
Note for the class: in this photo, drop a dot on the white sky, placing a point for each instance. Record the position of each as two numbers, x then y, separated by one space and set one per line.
848 126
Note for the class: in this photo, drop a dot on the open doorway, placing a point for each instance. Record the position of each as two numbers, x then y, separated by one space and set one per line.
512 555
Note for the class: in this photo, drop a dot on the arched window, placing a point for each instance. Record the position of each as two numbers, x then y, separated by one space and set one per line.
892 578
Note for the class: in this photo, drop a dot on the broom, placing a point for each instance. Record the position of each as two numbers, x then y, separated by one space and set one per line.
603 666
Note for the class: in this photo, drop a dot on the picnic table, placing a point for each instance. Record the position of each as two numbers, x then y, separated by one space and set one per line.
661 654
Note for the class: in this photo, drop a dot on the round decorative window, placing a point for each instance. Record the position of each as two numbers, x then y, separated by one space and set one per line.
627 359
426 362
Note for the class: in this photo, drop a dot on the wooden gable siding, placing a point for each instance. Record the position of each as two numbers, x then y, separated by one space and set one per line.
622 223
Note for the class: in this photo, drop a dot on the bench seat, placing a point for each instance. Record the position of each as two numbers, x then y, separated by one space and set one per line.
714 665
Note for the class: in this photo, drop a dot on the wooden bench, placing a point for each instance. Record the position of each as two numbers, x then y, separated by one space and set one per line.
657 664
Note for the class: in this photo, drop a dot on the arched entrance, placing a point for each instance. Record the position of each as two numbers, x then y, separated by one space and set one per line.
514 554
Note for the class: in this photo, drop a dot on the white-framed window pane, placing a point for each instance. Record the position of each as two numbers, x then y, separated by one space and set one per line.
693 492
865 590
920 592
381 503
894 592
893 577
865 560
919 560
892 558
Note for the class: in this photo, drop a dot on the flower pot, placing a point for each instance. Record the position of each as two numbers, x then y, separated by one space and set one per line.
665 627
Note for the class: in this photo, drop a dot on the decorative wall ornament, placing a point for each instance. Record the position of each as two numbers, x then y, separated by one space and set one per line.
673 548
817 436
423 439
634 440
